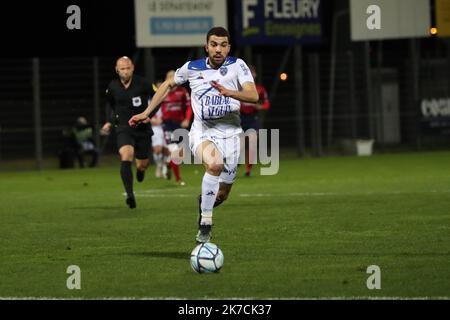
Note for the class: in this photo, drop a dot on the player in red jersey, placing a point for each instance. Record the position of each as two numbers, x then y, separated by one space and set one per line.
176 113
250 120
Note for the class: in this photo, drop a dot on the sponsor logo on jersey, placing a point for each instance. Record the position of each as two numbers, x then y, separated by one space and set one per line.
215 107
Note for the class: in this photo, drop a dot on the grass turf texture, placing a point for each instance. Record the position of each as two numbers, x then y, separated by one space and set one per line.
310 231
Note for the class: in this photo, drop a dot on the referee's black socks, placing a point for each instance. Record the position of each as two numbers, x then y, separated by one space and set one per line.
127 177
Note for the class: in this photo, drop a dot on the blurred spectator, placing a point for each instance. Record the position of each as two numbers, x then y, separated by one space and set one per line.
77 143
84 142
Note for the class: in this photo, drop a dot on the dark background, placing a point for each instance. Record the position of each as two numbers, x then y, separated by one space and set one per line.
38 28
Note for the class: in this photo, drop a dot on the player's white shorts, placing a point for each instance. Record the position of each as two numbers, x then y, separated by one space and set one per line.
230 148
158 136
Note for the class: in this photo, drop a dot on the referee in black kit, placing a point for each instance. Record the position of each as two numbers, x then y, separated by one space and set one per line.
126 96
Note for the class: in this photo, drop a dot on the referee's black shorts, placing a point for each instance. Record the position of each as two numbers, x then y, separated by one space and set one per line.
139 139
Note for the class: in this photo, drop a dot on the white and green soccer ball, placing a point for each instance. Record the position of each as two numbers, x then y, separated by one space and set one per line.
206 258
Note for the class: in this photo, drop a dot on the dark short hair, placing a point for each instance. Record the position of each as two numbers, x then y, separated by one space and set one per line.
218 31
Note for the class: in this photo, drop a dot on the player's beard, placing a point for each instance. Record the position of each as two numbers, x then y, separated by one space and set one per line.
216 60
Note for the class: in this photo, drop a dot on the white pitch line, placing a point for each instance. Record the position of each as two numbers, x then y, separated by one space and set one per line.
236 298
326 194
291 194
164 194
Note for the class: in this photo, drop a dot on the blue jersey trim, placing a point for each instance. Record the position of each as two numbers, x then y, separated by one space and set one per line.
229 60
199 65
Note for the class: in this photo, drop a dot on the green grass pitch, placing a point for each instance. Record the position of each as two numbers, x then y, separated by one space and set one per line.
310 231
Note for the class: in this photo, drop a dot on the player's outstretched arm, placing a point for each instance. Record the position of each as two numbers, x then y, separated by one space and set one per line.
159 96
247 94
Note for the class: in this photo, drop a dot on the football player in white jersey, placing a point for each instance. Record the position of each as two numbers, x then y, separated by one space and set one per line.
218 83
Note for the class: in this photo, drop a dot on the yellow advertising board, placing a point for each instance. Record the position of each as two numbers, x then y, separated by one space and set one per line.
443 17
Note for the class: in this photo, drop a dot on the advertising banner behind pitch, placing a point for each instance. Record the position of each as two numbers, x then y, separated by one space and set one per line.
396 19
435 115
278 22
177 23
443 17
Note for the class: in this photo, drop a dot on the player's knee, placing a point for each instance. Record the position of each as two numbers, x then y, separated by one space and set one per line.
126 157
157 149
142 166
214 168
126 154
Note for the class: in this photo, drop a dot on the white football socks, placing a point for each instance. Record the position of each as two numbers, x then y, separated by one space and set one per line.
206 218
210 187
159 163
158 158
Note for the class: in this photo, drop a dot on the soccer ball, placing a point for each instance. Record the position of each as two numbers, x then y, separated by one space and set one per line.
206 257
